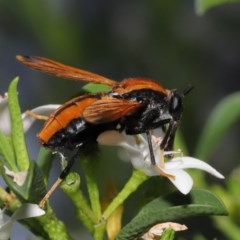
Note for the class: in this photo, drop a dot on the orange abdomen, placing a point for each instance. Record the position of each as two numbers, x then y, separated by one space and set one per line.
59 120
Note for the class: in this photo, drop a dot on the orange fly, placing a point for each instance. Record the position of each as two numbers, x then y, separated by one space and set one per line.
134 105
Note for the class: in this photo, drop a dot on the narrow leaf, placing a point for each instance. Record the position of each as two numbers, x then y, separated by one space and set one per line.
94 88
222 118
44 160
17 132
33 188
202 6
7 152
173 207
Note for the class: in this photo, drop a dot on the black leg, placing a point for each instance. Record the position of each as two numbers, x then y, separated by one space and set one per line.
150 148
153 161
62 176
168 139
70 163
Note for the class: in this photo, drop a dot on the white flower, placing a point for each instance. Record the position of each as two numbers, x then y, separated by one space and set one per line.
4 114
27 210
28 120
137 149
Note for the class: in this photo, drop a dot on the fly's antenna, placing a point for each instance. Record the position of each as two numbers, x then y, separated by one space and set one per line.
187 90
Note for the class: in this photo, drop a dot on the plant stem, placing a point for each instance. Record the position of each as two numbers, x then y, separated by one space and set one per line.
99 231
71 186
88 167
55 229
137 178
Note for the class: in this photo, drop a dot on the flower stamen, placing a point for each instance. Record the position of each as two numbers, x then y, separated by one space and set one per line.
162 173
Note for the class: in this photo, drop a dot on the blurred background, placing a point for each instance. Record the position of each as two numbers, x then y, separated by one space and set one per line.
163 40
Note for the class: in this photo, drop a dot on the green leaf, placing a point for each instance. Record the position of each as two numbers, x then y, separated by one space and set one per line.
95 88
222 118
168 234
202 6
7 152
17 132
45 159
33 188
173 207
233 183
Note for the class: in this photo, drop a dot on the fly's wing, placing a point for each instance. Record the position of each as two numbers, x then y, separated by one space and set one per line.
138 84
62 70
109 109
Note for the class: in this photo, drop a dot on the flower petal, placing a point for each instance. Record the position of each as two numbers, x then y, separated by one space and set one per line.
111 137
182 180
114 138
190 162
45 110
3 102
4 115
128 143
25 211
5 230
138 152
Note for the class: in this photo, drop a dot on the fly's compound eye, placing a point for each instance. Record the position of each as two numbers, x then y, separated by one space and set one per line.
175 103
176 107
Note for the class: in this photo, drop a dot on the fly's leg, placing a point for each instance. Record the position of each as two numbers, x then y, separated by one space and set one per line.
61 177
152 158
37 116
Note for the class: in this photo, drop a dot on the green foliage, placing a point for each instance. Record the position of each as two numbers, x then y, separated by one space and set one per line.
94 88
168 234
173 207
33 188
222 118
14 156
18 139
202 6
44 160
7 152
